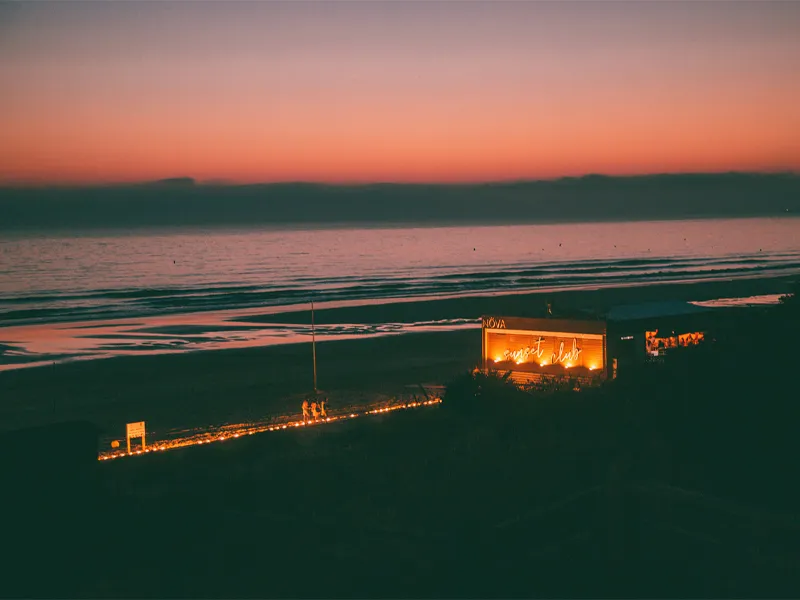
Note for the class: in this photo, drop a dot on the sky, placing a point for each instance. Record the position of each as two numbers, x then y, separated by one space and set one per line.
402 91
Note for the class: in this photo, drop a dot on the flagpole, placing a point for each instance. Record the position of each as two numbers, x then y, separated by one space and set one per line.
314 347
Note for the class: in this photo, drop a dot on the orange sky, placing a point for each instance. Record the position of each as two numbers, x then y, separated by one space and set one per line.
356 91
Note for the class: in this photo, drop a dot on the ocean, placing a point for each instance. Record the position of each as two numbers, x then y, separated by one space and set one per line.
171 290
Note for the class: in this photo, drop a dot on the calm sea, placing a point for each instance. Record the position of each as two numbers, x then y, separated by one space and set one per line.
163 276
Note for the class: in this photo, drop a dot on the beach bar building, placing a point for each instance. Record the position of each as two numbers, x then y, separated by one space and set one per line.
538 349
648 332
590 350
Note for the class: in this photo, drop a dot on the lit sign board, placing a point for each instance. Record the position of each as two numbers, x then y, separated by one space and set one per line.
533 350
135 430
654 344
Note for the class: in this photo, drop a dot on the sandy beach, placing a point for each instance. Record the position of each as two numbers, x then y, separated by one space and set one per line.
214 387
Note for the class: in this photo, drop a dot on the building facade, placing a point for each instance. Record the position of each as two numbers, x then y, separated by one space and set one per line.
589 351
538 349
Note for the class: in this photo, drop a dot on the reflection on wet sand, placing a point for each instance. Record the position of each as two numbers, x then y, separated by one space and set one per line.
46 344
42 344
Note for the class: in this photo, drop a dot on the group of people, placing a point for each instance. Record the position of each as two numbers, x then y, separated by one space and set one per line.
317 410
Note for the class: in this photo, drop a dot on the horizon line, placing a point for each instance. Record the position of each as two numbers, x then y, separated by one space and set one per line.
188 181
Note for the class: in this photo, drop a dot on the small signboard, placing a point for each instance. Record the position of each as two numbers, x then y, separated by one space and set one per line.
135 430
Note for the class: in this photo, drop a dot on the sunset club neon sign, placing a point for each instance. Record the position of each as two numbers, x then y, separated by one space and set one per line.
560 357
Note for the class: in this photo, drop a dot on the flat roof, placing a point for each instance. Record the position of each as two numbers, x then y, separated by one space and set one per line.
653 310
617 314
540 324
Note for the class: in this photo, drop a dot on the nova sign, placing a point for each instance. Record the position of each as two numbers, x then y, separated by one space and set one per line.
494 323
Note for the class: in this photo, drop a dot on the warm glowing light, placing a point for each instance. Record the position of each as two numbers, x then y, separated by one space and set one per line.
252 428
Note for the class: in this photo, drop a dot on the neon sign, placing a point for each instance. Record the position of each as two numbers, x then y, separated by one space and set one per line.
523 354
560 355
569 356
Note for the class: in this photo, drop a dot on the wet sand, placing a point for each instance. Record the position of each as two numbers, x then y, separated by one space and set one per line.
215 387
534 303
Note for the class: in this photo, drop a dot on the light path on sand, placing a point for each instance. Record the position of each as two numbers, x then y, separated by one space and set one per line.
245 429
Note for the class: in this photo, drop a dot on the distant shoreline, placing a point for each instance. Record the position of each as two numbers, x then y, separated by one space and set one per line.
354 225
568 200
185 181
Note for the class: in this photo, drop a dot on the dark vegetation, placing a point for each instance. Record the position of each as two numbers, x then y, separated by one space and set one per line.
676 480
181 202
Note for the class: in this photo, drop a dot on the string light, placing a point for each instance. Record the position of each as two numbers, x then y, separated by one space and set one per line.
254 428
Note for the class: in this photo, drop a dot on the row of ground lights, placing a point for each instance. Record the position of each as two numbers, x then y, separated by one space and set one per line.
182 443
